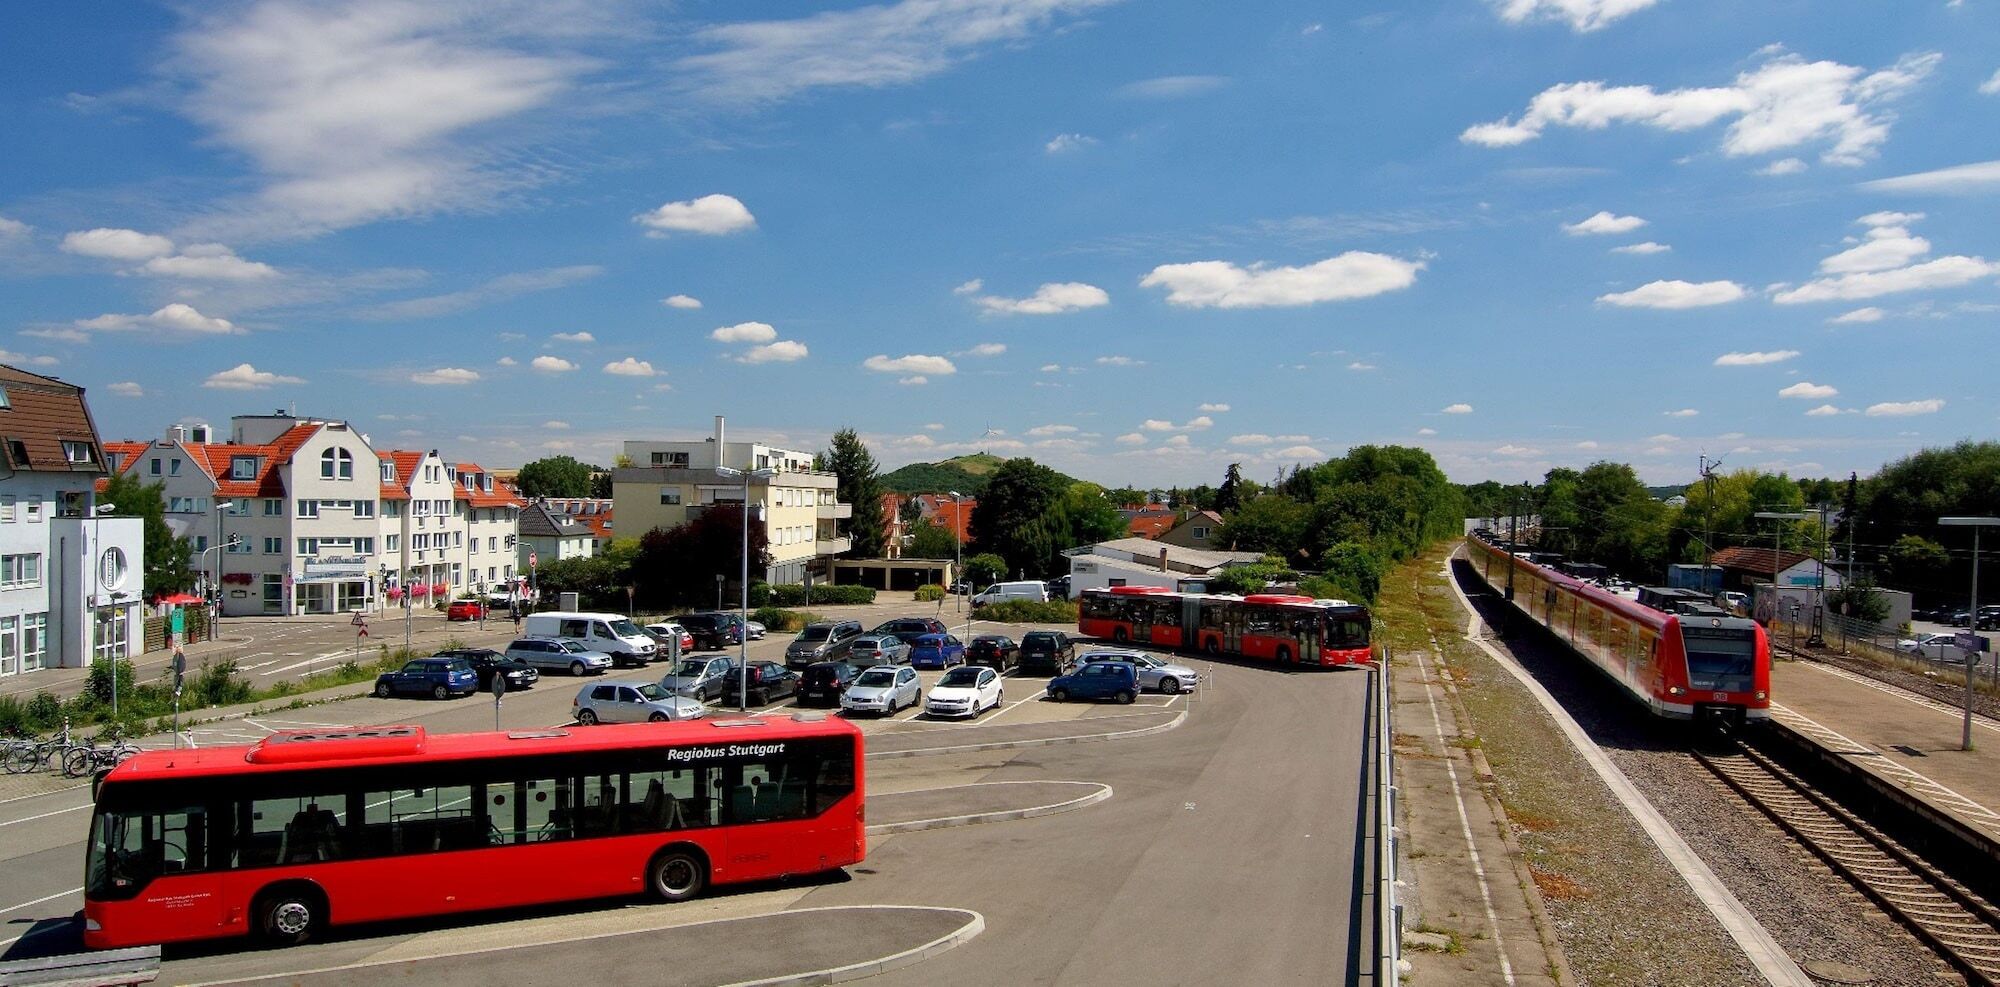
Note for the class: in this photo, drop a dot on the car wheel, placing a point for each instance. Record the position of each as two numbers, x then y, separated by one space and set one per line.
1170 685
676 875
657 718
1125 698
440 692
290 917
1059 695
576 668
383 691
587 717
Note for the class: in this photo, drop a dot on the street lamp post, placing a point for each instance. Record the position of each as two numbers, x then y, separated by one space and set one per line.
743 616
215 621
958 550
1972 623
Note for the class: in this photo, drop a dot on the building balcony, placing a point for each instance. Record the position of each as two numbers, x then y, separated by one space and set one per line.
835 512
832 546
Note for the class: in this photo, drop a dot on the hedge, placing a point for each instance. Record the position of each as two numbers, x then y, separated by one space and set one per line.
794 596
1029 612
788 621
930 593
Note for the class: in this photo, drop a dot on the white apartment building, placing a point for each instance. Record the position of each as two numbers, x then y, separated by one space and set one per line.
70 577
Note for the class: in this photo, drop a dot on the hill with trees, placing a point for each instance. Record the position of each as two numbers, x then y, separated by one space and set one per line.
966 474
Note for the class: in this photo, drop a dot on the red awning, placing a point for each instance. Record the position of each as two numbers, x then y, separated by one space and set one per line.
180 599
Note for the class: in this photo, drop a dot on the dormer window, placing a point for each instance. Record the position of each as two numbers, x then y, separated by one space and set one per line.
336 464
388 472
79 453
242 467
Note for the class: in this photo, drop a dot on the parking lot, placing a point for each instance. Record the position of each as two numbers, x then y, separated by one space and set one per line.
1135 837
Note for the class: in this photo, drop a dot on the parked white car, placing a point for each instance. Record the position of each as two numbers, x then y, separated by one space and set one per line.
967 691
1938 646
882 689
631 702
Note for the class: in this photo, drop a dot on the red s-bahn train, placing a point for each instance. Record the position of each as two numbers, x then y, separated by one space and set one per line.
1680 666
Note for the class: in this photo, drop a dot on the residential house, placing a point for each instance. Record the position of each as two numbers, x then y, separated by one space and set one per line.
492 512
895 531
595 513
1200 529
549 535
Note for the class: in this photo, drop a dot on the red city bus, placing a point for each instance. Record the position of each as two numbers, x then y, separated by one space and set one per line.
1274 627
304 830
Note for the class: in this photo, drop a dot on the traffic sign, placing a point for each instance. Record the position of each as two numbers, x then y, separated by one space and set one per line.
177 621
1969 642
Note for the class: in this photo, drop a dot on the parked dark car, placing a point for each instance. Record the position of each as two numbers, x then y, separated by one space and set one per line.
488 663
1117 680
822 684
996 651
1046 653
1960 617
1059 588
438 678
768 681
824 641
711 630
911 628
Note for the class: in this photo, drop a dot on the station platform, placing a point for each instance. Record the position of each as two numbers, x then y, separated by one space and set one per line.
1908 740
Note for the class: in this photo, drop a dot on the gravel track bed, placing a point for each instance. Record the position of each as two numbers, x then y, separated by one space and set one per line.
1813 914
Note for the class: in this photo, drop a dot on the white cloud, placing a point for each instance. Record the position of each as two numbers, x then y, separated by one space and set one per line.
934 427
172 317
1756 359
1458 409
1966 179
987 349
60 334
1198 423
915 442
782 351
1784 103
630 367
445 375
1887 246
485 293
1823 411
1683 413
1901 409
1587 444
745 332
1583 16
1676 294
1890 218
1049 299
574 337
868 47
1427 430
208 262
915 380
1177 442
117 244
1297 452
1868 314
1944 272
913 363
555 425
1222 284
1648 247
710 215
1172 86
1663 439
1602 223
10 228
1992 84
1117 360
1782 166
1052 368
1513 450
681 301
126 389
1064 143
552 364
506 361
1130 439
1808 390
24 360
244 377
1250 439
358 112
1215 407
1043 430
972 287
1358 365
1157 425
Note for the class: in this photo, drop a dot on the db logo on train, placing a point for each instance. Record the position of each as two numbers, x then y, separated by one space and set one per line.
1721 697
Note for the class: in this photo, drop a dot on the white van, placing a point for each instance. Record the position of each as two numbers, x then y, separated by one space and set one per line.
1032 589
611 633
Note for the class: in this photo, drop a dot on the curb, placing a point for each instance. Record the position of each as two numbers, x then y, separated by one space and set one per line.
1003 745
869 968
999 815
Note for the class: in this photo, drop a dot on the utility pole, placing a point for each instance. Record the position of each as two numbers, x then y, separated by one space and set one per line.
1512 531
1707 507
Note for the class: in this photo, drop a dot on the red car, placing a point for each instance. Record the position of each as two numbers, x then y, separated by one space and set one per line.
465 610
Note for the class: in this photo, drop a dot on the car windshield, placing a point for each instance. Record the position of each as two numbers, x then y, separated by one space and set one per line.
960 677
570 646
876 677
652 692
625 628
694 667
1039 639
812 634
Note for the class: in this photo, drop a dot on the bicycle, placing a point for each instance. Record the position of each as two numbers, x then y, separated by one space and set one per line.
34 754
88 758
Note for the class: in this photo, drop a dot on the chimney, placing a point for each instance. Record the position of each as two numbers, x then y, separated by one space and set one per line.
1163 558
718 441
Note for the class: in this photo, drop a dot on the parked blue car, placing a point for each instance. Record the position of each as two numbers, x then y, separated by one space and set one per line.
438 678
1098 680
936 651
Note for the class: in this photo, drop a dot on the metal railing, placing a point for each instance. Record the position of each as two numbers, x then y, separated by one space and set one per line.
1384 832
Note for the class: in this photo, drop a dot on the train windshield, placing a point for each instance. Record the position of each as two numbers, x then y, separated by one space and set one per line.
1723 660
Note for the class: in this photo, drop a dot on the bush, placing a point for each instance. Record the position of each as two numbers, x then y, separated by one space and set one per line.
788 621
97 685
217 685
1029 612
44 712
930 593
795 596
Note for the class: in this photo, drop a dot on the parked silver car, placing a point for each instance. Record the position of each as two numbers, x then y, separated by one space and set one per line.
878 649
1157 674
631 702
698 678
559 655
882 689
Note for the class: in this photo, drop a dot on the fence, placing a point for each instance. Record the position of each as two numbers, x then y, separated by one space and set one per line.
1882 644
1383 830
195 628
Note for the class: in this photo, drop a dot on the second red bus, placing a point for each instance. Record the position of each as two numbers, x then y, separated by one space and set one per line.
1279 628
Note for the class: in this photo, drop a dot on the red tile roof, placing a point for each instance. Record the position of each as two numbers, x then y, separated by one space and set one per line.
1151 525
213 459
406 464
501 495
1757 560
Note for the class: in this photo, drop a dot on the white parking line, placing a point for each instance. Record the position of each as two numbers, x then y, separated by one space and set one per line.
1004 710
308 661
44 815
37 901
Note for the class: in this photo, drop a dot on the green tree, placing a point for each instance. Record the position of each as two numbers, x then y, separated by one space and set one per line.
1915 561
600 485
1352 567
1021 517
859 486
1860 601
1271 523
1906 497
1128 497
168 566
930 540
1562 519
679 565
555 476
1228 497
985 569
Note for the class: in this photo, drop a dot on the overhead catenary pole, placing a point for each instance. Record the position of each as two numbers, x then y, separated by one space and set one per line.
1972 622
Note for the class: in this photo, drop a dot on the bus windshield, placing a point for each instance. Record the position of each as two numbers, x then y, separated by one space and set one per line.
1347 632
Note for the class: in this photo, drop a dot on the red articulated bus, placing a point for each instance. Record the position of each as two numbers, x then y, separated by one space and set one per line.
1681 666
304 830
1284 629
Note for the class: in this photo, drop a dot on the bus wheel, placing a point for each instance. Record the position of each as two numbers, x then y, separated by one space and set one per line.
290 916
1118 634
1284 655
1213 647
676 875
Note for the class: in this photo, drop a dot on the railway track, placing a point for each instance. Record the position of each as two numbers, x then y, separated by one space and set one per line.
1959 925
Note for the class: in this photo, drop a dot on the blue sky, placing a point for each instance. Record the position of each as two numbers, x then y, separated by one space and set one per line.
1135 240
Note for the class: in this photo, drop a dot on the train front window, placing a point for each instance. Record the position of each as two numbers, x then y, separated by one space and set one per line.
1721 660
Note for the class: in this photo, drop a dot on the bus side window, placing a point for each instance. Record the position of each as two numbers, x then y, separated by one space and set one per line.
661 800
545 813
836 777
